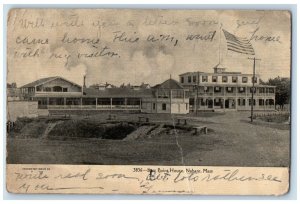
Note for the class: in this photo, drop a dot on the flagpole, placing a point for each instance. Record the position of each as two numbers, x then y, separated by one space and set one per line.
253 84
220 43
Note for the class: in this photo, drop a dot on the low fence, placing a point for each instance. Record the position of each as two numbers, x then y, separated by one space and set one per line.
271 113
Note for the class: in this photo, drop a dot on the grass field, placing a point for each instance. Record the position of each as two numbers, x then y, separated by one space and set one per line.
231 141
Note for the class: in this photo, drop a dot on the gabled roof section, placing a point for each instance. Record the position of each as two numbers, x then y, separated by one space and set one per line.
45 80
169 84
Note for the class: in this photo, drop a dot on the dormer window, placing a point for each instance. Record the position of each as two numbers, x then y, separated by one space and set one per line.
194 79
182 79
245 79
234 79
214 78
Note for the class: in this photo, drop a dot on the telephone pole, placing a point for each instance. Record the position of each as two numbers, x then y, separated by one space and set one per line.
253 84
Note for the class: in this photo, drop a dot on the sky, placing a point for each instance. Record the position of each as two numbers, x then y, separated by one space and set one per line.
141 45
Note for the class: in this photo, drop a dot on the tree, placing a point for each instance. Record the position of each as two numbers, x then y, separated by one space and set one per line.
283 90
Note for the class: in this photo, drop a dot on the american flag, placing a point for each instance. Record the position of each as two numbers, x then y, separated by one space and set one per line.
239 45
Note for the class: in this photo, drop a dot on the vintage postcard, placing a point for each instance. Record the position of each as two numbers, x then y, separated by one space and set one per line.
124 101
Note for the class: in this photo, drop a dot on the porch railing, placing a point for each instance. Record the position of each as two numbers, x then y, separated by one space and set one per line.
91 107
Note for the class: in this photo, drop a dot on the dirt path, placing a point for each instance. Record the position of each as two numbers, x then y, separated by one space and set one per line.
244 143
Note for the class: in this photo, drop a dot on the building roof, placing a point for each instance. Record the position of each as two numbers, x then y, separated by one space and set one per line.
231 72
118 92
45 80
169 84
190 73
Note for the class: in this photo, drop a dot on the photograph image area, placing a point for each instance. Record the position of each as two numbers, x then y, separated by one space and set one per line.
149 87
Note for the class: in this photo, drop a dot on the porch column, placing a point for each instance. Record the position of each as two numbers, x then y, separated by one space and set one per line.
199 103
80 103
65 102
236 97
110 103
246 104
224 103
48 102
195 106
96 102
213 98
140 103
170 101
125 102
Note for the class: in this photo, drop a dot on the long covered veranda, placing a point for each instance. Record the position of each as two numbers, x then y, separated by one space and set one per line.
231 103
89 103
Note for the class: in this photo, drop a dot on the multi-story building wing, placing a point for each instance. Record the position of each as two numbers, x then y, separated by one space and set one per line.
226 91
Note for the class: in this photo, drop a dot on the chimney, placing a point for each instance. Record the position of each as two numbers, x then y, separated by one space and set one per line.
84 86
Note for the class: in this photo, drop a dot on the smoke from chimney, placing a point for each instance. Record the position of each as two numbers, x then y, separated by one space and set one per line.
84 86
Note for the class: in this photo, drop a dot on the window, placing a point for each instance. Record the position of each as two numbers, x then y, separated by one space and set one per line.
229 89
217 89
261 90
234 79
251 103
261 102
182 79
65 89
177 93
214 78
189 79
47 89
164 106
194 79
204 78
153 106
252 90
241 89
224 79
57 89
245 79
254 80
206 89
271 90
241 102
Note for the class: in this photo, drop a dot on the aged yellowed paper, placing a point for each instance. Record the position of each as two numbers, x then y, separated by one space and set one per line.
132 101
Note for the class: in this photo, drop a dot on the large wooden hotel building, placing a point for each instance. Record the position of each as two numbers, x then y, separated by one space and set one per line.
195 91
